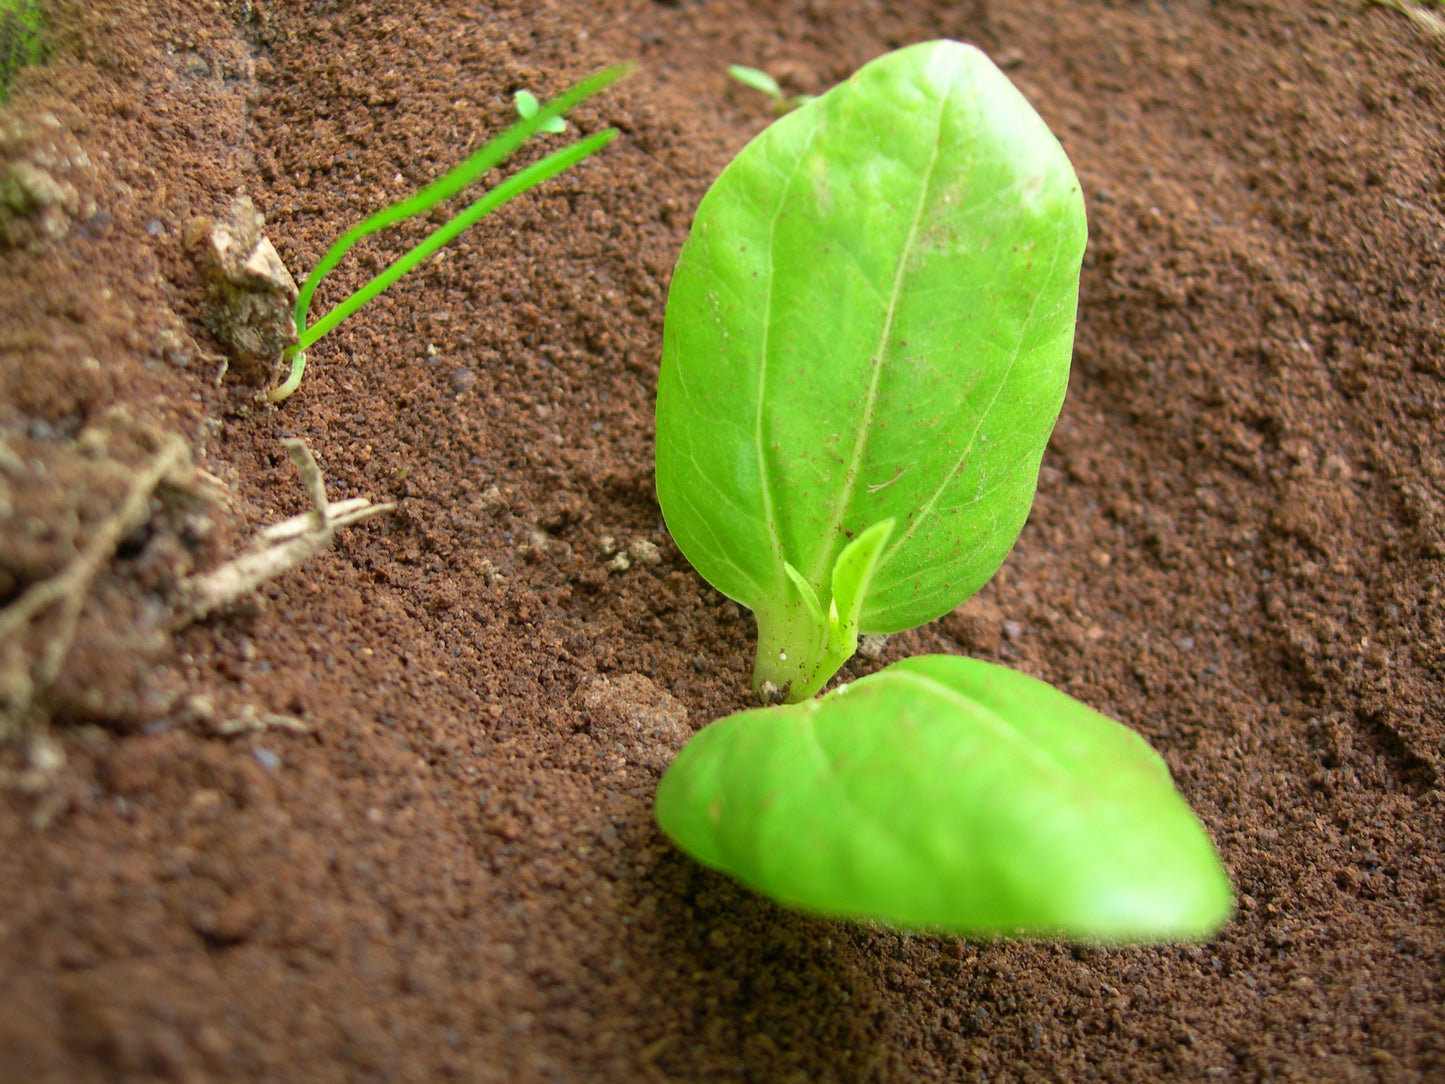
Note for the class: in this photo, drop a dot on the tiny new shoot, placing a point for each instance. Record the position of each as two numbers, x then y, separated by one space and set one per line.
462 177
866 345
527 106
758 79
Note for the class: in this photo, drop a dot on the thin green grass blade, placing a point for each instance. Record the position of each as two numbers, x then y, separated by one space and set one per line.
528 178
459 179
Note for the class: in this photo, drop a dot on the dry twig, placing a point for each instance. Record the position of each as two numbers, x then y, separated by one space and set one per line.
1428 21
24 675
20 679
278 548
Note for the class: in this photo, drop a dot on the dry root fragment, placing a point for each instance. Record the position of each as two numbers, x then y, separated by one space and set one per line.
38 628
22 678
1431 23
278 548
252 719
25 675
38 778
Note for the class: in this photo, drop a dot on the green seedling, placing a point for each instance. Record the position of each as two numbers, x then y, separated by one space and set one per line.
866 345
758 79
22 40
528 106
459 179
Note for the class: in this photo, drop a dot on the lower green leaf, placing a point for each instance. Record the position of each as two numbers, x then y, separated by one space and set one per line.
955 795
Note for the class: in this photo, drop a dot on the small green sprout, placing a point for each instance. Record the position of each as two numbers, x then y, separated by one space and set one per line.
527 106
459 179
866 345
21 39
761 80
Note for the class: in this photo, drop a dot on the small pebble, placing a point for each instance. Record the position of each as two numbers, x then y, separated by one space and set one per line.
267 759
645 552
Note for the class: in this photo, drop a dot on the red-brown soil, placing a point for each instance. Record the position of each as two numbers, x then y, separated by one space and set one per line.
449 870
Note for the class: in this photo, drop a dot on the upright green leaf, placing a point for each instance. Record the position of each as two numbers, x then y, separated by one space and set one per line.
872 319
949 794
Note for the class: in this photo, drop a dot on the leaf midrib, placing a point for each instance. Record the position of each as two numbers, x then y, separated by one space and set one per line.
844 498
928 506
760 448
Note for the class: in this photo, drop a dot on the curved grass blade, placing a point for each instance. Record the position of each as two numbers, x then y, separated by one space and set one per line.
445 187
